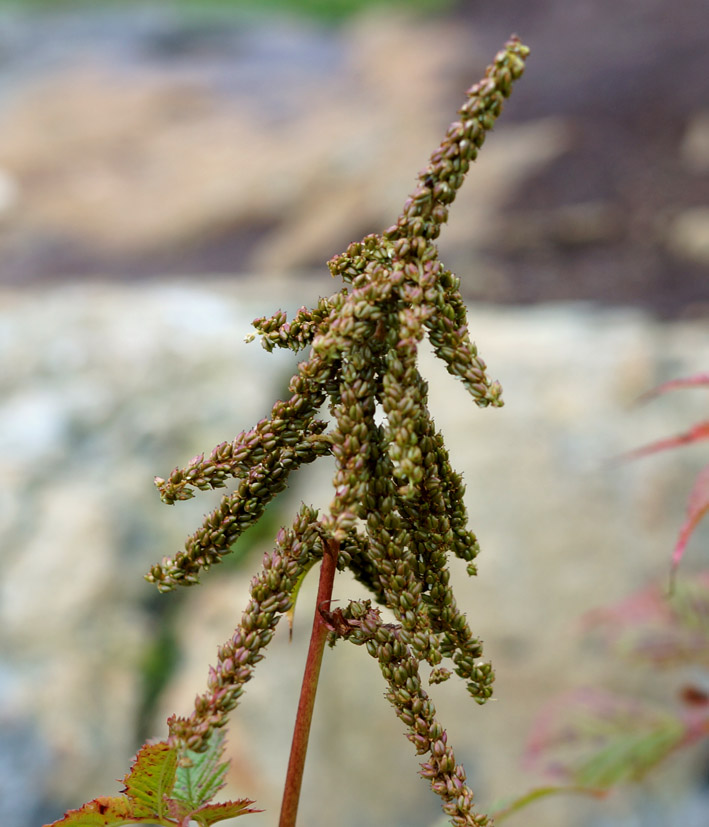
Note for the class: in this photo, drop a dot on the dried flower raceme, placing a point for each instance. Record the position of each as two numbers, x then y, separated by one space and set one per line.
361 624
398 508
271 594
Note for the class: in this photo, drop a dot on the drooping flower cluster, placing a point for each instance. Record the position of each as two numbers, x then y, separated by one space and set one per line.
398 507
361 624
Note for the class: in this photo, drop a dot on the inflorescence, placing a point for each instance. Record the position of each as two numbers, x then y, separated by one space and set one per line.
398 508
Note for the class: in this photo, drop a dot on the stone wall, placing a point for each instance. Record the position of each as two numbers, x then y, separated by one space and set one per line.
103 387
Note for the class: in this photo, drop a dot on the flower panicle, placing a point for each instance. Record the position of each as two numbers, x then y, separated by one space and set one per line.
398 510
238 458
235 513
362 624
271 597
276 331
426 209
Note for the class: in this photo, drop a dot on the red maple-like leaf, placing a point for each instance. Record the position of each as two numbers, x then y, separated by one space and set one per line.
698 504
697 507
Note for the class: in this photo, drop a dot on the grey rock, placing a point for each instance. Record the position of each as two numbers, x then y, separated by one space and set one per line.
127 382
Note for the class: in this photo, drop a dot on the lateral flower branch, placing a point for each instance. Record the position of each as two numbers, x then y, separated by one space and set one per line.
398 507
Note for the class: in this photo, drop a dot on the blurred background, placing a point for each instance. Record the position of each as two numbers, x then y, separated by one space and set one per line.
171 170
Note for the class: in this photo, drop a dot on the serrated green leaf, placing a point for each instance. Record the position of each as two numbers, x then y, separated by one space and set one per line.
147 789
212 813
102 812
146 795
201 774
158 792
151 778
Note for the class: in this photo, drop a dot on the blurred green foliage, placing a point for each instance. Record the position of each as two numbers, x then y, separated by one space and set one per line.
326 11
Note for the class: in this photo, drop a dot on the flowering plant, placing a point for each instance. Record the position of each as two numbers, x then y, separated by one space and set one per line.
396 515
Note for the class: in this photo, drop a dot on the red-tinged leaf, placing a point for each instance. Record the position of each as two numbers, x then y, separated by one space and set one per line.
660 629
152 777
598 740
644 607
212 813
697 507
157 791
145 798
694 434
693 381
102 812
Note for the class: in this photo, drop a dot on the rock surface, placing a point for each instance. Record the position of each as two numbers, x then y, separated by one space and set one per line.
136 144
105 386
148 143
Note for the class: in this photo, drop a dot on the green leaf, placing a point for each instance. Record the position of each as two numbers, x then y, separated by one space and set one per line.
145 799
151 779
157 791
290 614
212 813
101 812
201 774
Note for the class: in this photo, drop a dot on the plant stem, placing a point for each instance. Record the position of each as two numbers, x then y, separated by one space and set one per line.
309 687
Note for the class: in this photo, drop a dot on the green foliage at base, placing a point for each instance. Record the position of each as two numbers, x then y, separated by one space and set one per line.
165 787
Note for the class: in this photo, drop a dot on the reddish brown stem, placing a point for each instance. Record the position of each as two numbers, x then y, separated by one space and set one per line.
309 687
